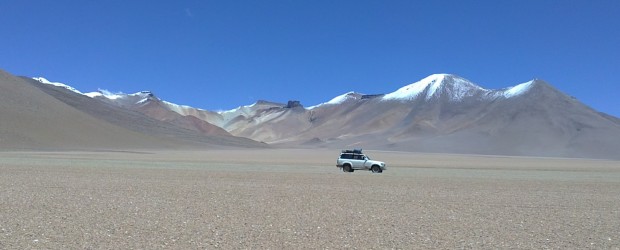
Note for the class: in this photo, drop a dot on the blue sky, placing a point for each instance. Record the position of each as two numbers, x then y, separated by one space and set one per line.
222 54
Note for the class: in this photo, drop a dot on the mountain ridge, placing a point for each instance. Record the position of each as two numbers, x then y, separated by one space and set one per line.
433 83
39 116
441 113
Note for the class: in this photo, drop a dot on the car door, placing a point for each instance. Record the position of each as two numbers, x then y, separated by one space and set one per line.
358 161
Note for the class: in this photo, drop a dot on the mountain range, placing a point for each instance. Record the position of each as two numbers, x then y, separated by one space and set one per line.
36 116
441 113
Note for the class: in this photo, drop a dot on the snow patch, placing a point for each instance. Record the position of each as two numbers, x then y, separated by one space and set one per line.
229 111
144 100
337 100
341 98
518 90
93 94
462 88
435 84
240 108
412 91
112 96
57 84
181 109
118 95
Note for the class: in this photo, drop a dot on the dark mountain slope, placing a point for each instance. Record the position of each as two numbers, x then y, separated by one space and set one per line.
30 119
141 123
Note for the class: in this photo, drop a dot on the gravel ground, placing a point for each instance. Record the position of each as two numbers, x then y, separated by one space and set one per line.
272 199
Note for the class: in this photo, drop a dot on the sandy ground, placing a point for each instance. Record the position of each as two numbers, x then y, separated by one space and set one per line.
291 199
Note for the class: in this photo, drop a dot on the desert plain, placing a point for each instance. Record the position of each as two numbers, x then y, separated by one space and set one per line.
298 199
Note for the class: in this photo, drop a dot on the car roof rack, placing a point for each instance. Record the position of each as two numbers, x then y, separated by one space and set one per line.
355 151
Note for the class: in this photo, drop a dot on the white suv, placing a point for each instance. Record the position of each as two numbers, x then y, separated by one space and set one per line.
351 160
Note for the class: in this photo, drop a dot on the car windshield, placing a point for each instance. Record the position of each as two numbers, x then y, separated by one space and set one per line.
367 157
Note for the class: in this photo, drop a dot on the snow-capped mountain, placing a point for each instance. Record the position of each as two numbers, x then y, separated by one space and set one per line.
440 113
435 86
454 88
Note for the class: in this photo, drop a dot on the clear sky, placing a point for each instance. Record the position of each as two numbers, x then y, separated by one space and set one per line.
218 55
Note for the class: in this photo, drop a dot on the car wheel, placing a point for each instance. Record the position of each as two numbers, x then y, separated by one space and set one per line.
376 169
347 168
